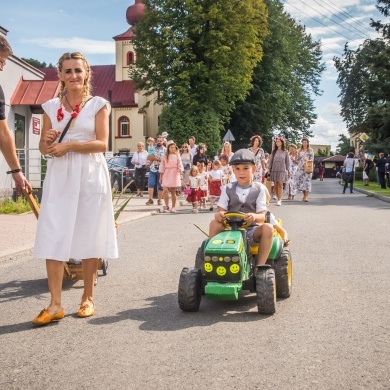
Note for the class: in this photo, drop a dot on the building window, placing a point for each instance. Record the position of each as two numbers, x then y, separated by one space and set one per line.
130 58
124 127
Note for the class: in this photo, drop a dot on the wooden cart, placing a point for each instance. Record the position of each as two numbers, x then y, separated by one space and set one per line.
72 268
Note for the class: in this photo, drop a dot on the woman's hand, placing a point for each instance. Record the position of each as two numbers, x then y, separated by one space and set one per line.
51 135
58 150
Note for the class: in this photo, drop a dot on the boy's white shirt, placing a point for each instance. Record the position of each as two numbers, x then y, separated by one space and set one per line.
242 195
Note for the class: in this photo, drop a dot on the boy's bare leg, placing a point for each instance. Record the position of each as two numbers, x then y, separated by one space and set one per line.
215 227
263 235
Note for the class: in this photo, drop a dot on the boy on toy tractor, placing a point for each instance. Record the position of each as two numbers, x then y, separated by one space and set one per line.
243 251
247 197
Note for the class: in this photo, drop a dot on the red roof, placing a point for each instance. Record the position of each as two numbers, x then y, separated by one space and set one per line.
103 80
34 92
129 34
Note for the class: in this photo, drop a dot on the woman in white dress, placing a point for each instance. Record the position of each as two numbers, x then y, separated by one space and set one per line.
76 218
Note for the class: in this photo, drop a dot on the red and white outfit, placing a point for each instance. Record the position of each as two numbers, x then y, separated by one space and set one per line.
194 196
215 182
203 184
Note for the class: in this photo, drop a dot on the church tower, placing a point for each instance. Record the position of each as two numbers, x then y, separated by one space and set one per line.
124 48
125 55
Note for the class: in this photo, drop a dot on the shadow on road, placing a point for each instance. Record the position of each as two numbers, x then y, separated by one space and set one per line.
163 313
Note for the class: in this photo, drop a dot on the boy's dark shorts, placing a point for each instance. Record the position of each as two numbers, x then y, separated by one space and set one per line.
250 232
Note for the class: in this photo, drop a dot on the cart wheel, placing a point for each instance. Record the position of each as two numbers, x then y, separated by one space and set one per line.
104 266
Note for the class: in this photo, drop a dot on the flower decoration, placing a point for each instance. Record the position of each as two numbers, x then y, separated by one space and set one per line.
75 111
60 115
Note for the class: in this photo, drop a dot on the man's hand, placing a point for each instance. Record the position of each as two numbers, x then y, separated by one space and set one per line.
21 182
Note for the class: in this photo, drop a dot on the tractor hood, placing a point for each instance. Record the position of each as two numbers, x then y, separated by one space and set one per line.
228 242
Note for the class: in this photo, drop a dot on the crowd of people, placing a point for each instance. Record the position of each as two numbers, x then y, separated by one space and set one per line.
188 170
381 164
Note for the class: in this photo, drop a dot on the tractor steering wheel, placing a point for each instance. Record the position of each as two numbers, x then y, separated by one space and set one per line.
235 218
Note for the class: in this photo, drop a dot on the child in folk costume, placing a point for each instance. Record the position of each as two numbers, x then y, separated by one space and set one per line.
226 169
215 182
171 170
203 184
194 184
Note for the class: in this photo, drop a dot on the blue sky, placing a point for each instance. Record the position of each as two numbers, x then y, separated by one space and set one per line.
43 30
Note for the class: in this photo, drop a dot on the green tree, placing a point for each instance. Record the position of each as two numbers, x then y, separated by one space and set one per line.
284 83
36 63
323 152
363 78
204 125
200 56
344 146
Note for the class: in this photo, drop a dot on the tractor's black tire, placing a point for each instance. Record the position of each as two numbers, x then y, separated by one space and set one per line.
266 291
190 289
283 274
104 266
199 258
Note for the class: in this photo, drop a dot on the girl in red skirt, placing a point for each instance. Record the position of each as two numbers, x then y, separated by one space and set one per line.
215 182
194 184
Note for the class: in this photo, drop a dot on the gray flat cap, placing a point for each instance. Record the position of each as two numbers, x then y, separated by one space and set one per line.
242 156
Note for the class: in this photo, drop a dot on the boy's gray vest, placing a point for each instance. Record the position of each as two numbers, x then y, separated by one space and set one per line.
250 203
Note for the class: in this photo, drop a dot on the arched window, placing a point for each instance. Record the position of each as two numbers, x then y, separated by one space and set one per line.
124 126
130 58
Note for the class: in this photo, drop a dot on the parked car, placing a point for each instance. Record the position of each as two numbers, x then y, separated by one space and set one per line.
122 172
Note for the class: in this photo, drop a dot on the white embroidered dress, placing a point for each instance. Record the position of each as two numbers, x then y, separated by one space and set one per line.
76 218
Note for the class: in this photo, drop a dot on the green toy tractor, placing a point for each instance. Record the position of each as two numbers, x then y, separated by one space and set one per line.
226 265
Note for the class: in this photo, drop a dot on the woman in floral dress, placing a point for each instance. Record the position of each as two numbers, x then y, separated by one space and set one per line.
279 167
291 184
256 142
305 153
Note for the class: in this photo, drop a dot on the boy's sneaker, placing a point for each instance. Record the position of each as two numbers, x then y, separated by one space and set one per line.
159 202
173 210
166 209
195 210
149 202
279 203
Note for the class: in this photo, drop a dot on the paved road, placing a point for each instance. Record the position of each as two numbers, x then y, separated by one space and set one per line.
332 333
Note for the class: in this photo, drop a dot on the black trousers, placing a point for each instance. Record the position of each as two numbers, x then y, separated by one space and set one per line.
382 180
139 178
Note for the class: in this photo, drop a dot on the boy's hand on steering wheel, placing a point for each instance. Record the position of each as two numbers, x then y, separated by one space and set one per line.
219 216
250 218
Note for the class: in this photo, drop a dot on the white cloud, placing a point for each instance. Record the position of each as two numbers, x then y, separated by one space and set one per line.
87 46
329 126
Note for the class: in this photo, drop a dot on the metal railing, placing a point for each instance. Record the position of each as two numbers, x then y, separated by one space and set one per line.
33 164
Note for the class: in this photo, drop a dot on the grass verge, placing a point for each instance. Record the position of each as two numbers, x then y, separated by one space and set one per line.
9 206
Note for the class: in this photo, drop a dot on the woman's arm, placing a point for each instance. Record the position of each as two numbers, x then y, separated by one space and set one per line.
287 158
96 146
